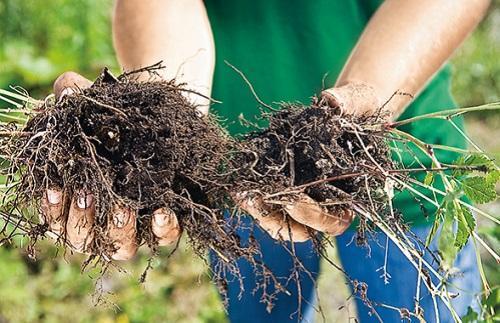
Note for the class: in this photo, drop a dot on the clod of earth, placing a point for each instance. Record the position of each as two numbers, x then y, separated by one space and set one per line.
335 159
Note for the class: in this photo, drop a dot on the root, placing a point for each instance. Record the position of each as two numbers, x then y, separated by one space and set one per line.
138 144
145 146
336 159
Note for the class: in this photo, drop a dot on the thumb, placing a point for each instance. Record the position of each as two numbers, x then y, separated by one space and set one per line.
68 83
352 98
332 98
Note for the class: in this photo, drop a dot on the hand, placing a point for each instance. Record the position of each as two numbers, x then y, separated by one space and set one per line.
72 217
297 219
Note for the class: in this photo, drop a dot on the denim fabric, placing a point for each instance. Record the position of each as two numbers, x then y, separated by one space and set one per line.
360 264
400 291
248 307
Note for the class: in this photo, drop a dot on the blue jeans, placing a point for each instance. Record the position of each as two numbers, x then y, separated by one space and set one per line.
360 264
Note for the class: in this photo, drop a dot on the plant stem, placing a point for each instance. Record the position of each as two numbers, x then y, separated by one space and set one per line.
17 105
409 253
13 117
435 190
445 114
20 97
427 149
298 188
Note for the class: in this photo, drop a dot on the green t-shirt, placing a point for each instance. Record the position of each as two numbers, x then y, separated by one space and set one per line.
288 49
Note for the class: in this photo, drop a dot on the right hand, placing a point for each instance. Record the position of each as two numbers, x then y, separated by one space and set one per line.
296 220
72 217
299 218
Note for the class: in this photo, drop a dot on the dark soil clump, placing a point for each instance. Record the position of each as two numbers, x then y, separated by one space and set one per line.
335 159
135 144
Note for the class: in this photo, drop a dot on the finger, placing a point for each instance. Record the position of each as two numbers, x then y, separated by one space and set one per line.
275 222
122 231
69 82
52 207
165 226
308 212
80 221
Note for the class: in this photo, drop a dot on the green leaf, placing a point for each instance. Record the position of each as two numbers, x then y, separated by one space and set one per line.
429 178
493 176
473 160
446 246
479 189
435 226
466 224
471 316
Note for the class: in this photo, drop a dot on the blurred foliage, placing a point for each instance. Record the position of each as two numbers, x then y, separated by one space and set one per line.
41 39
476 67
53 288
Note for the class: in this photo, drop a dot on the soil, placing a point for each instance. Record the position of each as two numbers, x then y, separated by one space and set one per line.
333 158
130 143
144 145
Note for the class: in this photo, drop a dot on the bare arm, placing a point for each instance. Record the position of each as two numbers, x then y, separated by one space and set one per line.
175 32
402 47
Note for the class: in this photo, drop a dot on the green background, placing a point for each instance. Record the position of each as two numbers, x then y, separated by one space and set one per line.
41 39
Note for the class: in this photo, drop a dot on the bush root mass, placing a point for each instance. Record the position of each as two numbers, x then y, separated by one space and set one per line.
133 144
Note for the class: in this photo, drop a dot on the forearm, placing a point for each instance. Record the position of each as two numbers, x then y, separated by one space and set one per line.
405 44
175 32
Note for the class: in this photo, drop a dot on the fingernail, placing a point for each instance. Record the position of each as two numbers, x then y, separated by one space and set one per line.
54 196
120 219
84 200
161 219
